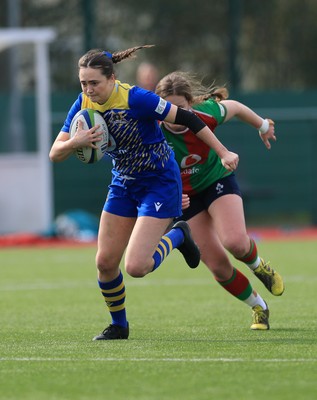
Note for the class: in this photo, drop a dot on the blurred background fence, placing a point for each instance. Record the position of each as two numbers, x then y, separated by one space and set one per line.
279 185
263 53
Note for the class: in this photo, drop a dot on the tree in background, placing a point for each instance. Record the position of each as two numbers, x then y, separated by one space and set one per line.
248 44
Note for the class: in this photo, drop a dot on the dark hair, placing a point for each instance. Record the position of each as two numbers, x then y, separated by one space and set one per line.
184 84
103 60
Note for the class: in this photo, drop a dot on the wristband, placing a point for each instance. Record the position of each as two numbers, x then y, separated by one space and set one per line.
264 127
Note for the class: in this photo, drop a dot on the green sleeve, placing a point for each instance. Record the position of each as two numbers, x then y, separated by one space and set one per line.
213 108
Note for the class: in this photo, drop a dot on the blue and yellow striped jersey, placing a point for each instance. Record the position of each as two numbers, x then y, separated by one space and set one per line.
137 144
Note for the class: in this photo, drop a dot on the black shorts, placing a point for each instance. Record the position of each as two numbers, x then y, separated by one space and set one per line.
201 201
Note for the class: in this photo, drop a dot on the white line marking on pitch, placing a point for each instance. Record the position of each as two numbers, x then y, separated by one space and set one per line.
192 360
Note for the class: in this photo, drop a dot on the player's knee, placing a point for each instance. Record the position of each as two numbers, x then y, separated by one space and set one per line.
136 269
238 246
105 263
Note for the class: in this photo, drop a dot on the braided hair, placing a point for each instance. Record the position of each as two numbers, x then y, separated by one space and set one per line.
104 60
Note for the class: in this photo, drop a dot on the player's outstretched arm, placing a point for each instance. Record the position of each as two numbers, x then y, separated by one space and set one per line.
245 114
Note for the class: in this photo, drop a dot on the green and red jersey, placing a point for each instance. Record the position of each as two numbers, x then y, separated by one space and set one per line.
199 165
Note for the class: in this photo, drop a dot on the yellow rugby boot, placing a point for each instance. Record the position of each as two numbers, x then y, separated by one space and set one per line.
260 319
271 279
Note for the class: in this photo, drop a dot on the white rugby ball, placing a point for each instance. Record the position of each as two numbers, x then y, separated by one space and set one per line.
90 118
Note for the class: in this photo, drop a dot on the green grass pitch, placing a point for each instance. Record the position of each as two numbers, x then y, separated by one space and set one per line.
189 339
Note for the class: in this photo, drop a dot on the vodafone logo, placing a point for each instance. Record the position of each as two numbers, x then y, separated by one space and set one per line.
190 161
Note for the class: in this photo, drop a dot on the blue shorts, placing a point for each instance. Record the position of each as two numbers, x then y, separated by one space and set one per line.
157 195
201 201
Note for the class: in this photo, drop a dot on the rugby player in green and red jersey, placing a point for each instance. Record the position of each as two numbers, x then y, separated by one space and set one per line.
212 201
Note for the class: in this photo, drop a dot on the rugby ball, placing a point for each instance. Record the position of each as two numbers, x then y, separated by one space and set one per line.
90 118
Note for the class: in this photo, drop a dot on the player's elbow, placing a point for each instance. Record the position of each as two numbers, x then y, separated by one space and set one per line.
54 156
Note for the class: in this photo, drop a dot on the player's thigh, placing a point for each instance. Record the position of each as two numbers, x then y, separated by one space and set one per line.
113 237
229 221
146 234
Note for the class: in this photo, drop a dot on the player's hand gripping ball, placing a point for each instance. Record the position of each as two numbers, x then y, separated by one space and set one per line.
90 118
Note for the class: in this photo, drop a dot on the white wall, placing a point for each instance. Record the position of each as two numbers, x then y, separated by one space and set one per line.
26 193
23 197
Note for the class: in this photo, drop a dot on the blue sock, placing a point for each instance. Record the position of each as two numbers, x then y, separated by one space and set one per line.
168 242
114 295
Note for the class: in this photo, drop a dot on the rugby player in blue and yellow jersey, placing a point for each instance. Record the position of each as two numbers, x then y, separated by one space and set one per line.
145 193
